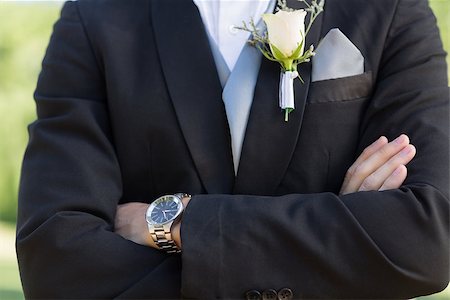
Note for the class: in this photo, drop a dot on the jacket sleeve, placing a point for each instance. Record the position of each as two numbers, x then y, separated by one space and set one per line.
71 184
390 244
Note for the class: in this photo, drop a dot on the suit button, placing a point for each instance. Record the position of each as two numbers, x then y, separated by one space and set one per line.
269 295
285 294
253 295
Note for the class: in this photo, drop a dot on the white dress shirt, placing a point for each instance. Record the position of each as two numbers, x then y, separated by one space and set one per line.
220 18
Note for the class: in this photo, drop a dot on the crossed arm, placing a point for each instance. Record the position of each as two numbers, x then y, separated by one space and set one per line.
381 166
391 243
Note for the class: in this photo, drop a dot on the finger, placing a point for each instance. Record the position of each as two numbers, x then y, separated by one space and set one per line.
368 151
374 181
396 179
375 161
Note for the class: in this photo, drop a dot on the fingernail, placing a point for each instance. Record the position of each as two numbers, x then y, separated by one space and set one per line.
400 140
398 171
381 140
407 150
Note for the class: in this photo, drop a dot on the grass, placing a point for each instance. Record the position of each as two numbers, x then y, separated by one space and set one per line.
24 34
10 287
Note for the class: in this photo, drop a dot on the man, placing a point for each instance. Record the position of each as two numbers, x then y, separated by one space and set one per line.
130 108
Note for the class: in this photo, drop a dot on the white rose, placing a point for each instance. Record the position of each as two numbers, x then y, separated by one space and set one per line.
286 32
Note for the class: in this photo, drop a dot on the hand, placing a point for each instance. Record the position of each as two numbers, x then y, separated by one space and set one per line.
130 223
380 167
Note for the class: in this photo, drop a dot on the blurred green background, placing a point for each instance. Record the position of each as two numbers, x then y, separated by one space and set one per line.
24 33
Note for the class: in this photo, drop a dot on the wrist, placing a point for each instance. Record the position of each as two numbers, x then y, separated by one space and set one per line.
163 217
176 226
176 233
147 238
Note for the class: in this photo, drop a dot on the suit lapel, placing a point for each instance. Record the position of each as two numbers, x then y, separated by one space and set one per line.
195 90
269 141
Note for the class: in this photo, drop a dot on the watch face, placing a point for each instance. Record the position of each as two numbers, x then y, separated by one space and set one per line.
164 210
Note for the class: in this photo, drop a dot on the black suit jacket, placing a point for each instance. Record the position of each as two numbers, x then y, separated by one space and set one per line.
129 108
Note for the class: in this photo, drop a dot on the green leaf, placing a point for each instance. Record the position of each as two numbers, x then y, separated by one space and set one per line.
298 52
277 53
288 64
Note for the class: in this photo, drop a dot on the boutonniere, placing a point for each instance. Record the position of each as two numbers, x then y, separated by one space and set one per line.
283 41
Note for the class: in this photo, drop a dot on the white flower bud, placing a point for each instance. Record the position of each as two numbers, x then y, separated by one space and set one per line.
286 30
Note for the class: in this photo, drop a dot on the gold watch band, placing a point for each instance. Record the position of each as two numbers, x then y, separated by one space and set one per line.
163 239
182 195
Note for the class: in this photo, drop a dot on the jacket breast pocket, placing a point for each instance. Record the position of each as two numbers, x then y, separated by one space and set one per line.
341 89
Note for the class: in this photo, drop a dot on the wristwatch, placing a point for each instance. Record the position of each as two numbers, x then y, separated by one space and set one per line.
160 216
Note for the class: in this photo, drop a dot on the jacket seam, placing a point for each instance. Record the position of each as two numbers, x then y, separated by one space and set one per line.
89 40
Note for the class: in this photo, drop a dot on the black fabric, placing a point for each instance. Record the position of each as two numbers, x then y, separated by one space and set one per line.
341 89
129 109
